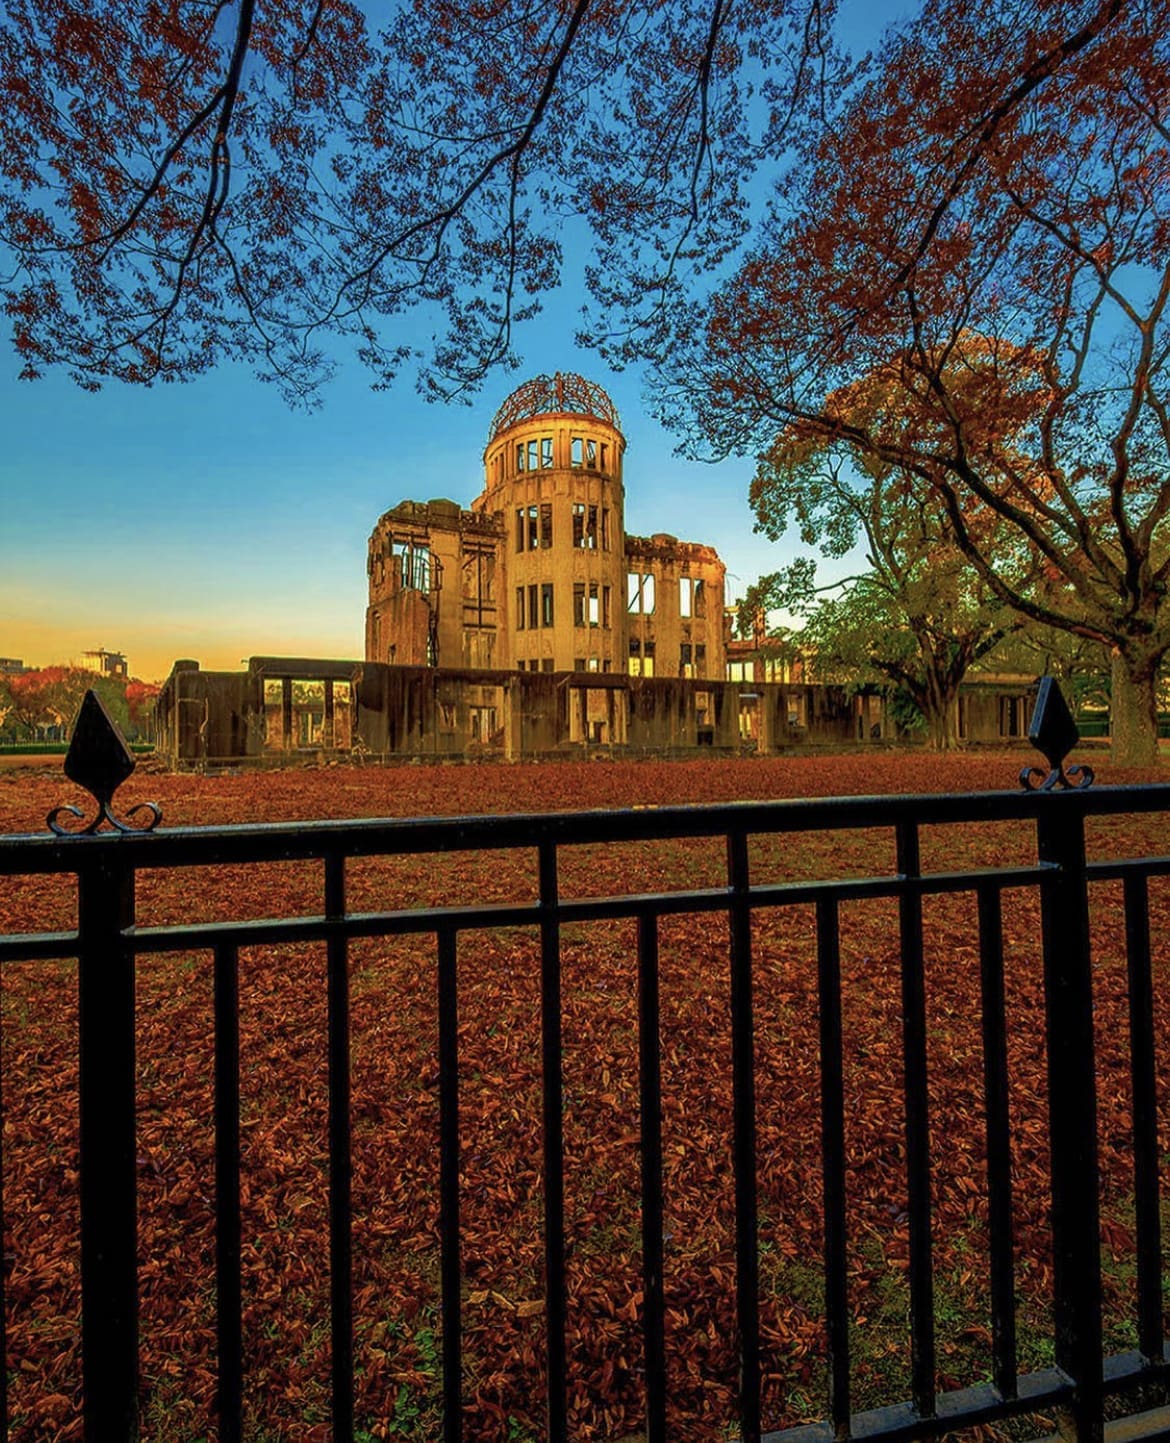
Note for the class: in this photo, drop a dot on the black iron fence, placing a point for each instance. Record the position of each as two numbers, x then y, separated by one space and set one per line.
109 945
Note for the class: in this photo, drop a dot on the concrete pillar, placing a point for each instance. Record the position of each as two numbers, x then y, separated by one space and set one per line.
766 716
513 720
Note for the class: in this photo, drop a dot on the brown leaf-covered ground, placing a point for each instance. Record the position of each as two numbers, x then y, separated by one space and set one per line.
283 1081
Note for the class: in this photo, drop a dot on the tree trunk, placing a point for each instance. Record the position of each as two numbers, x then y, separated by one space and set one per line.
942 723
1133 712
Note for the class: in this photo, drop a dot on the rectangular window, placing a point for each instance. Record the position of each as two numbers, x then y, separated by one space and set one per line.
519 608
640 592
533 531
591 529
578 603
700 659
546 663
545 525
605 541
607 665
546 603
685 665
533 606
519 455
520 528
546 452
591 454
578 663
594 605
578 523
605 456
576 451
686 596
533 449
700 599
606 618
594 665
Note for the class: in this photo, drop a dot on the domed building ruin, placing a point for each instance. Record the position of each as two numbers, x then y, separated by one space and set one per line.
539 574
531 625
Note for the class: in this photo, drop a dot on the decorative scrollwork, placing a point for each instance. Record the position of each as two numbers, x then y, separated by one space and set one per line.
100 761
1077 778
106 815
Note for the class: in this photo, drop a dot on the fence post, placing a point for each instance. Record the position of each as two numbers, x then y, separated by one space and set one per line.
109 1224
1072 1112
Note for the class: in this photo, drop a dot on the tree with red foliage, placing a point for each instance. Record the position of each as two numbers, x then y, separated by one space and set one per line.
975 183
255 180
141 697
48 697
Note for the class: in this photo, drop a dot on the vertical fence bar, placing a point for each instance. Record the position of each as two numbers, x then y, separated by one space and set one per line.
554 1144
229 1334
743 1081
650 1084
1145 1118
340 1161
109 1225
1072 1110
917 1124
449 1186
833 1159
999 1176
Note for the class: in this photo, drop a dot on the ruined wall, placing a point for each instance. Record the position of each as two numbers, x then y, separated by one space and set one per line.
674 623
285 710
433 587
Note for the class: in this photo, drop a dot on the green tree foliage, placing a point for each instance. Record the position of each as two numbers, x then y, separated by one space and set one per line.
916 617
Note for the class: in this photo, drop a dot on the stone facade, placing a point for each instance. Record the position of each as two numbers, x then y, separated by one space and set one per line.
539 575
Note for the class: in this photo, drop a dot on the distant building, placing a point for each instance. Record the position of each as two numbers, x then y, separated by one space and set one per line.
105 663
12 666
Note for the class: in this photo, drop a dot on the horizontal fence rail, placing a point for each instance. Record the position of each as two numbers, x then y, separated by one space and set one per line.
109 946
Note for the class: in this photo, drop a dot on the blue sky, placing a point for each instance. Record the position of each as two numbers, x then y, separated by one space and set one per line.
208 520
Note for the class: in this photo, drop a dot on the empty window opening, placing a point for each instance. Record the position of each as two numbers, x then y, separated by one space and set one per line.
481 723
520 456
591 454
686 666
533 606
606 612
545 525
546 452
533 528
576 451
578 603
594 605
584 526
686 596
640 593
641 657
414 564
519 608
533 454
605 535
546 603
